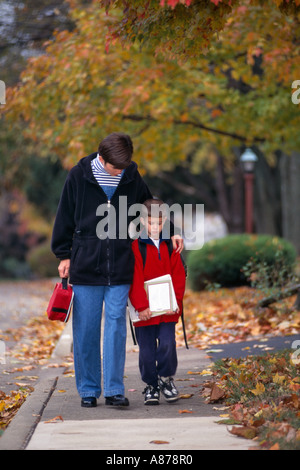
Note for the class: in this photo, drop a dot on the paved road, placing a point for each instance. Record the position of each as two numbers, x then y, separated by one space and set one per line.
19 302
254 347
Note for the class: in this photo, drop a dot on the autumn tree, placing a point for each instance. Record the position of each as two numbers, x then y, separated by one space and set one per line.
186 28
201 93
240 93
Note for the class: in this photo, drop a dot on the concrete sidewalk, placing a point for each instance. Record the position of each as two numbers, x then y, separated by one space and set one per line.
188 424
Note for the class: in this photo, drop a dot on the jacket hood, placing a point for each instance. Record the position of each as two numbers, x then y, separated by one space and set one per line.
85 165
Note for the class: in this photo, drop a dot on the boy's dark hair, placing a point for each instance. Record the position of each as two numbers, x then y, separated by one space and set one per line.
154 207
116 149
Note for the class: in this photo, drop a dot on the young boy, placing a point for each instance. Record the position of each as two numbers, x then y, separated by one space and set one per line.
156 335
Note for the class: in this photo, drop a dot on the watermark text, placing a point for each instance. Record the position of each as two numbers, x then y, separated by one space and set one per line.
296 354
296 94
2 92
131 221
2 352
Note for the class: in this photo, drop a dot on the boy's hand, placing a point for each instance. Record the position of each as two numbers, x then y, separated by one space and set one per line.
178 245
145 314
171 312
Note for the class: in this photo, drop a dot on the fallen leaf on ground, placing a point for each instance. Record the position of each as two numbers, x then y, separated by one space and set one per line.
259 389
203 372
275 447
216 393
159 442
54 420
214 350
243 431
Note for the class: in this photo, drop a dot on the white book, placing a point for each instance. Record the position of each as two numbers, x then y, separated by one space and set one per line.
161 296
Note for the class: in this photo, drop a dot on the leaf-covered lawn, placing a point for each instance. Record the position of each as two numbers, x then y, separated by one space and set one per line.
259 395
263 398
230 315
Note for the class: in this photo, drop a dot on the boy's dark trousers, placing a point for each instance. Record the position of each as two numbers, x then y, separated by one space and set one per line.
157 356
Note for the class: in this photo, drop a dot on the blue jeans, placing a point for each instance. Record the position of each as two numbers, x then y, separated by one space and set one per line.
87 316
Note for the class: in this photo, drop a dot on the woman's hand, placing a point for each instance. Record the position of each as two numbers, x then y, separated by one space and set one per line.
178 244
64 268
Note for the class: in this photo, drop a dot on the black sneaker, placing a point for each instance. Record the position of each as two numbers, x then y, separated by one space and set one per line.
117 400
168 389
151 395
89 402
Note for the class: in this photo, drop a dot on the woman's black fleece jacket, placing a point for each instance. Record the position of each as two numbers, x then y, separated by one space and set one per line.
95 261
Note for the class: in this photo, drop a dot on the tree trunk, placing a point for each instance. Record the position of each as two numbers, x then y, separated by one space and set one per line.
290 191
222 194
282 295
297 303
267 203
230 197
237 200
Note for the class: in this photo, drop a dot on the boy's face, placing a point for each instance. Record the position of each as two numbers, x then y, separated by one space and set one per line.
153 225
110 168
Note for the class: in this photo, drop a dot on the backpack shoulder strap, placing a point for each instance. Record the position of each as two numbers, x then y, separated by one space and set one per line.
170 248
143 250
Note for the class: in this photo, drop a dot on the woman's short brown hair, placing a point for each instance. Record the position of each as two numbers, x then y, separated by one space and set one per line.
116 149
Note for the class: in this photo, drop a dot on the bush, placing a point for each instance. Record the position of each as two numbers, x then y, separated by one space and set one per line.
42 261
13 268
221 261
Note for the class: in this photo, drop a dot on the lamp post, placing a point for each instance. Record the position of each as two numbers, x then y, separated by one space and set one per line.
248 160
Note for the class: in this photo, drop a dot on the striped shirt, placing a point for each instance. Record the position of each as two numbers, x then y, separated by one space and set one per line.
107 182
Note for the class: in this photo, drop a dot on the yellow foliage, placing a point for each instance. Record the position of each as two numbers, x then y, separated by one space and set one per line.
83 88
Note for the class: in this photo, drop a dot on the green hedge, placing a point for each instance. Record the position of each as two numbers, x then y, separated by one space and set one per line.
42 261
220 261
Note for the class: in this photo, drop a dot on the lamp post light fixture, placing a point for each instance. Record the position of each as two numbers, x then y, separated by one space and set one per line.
248 160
